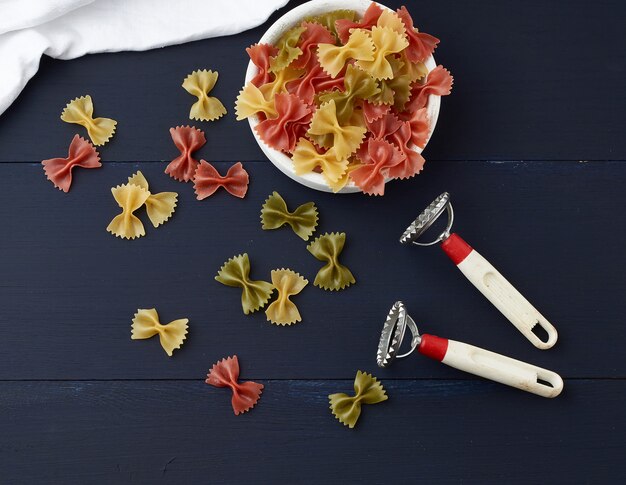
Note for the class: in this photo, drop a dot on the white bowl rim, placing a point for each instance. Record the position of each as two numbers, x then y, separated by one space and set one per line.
290 19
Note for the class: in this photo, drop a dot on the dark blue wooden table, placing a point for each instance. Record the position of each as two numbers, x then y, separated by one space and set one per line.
531 145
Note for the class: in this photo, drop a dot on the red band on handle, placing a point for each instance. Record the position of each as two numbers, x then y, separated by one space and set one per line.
433 347
456 248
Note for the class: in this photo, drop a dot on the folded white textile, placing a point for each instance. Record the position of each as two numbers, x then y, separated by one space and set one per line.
66 29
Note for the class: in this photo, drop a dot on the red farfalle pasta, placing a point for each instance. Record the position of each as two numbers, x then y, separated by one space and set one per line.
369 20
384 126
413 162
380 158
207 180
372 111
292 122
260 56
187 139
225 373
439 81
315 80
314 34
81 153
420 128
421 45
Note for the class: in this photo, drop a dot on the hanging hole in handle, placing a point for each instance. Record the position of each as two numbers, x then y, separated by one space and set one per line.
544 383
541 333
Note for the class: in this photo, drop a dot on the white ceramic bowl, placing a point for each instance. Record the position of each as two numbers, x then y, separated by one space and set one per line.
271 36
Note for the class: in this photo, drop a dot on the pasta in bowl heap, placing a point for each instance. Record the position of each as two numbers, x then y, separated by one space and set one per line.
344 100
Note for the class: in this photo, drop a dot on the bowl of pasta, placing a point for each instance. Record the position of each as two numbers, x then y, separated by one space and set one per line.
342 96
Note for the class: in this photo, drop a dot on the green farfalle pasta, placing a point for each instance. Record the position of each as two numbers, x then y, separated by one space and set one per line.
303 220
358 85
367 390
288 49
236 272
333 275
328 19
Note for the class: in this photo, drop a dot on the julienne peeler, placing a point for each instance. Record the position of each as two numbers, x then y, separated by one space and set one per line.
481 273
462 356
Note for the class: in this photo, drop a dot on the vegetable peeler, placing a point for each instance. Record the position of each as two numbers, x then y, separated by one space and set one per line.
462 356
481 273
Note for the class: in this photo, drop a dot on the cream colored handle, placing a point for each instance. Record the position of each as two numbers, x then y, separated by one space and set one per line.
507 299
500 368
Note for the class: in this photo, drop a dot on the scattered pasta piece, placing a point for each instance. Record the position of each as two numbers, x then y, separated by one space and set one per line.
129 197
288 49
386 42
199 84
330 19
421 45
80 111
367 390
251 101
146 324
159 207
358 85
207 180
380 157
360 46
333 275
303 220
306 159
288 283
292 122
81 153
187 139
260 56
369 20
439 82
225 373
345 139
236 272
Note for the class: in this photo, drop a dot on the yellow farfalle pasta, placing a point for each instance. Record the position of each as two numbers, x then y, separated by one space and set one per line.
146 324
357 85
278 84
288 49
345 178
386 42
274 214
367 390
345 139
306 159
129 197
332 58
236 272
199 84
390 19
159 207
333 275
80 111
288 283
251 101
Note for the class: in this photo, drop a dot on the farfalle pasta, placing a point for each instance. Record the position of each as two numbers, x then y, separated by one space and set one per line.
367 390
333 275
129 197
80 111
187 139
236 272
146 325
199 84
318 91
288 283
81 153
159 207
303 220
225 373
207 180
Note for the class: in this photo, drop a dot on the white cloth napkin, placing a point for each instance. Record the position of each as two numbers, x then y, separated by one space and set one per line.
66 29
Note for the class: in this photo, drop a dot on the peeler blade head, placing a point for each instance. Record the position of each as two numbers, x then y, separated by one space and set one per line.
391 335
426 219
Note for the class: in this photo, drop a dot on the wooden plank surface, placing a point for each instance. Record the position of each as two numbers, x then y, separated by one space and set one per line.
82 403
427 432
